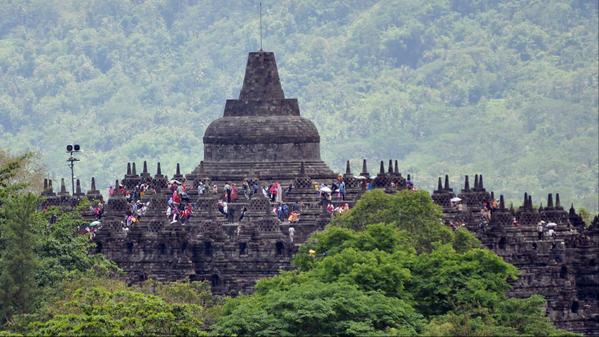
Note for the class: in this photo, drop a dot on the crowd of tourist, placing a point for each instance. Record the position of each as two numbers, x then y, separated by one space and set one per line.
136 209
331 198
287 212
180 206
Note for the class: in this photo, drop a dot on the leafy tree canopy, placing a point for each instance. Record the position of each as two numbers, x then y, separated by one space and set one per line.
38 248
98 306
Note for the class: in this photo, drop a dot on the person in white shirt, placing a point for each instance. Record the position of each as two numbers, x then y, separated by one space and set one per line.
540 229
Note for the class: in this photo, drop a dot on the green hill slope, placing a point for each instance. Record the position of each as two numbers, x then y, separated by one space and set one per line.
506 88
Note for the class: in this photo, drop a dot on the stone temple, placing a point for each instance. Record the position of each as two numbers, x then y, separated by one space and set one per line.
262 137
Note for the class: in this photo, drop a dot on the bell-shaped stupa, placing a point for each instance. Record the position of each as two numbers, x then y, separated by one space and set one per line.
262 132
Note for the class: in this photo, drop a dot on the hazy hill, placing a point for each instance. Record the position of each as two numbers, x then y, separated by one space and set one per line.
506 88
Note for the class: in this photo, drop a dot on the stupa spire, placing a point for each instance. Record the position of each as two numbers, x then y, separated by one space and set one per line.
530 202
93 193
261 81
63 188
364 169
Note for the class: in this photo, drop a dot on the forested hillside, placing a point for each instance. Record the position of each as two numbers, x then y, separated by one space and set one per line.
506 88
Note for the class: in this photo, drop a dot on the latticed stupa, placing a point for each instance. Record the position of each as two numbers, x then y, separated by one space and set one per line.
262 137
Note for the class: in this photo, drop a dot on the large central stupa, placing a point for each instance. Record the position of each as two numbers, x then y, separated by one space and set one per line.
262 132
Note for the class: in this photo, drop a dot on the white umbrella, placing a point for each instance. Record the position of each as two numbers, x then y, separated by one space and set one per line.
455 199
551 224
360 177
95 223
175 182
326 189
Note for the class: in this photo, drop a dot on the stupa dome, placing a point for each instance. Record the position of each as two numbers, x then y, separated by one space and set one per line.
262 127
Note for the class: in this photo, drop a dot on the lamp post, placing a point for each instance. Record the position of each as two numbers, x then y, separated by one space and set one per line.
72 149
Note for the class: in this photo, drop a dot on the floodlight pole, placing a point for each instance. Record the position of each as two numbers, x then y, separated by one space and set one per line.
72 161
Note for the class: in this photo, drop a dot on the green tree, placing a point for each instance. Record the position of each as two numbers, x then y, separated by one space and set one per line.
513 317
18 262
100 312
445 280
316 309
10 168
414 213
464 240
35 255
527 317
99 304
62 249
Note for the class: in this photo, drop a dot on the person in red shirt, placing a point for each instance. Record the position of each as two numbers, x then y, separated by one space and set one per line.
176 198
273 192
234 193
186 214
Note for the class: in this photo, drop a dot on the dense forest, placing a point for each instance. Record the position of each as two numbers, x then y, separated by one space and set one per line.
504 88
369 273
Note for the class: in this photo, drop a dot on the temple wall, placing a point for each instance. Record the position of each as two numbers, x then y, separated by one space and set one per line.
262 152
